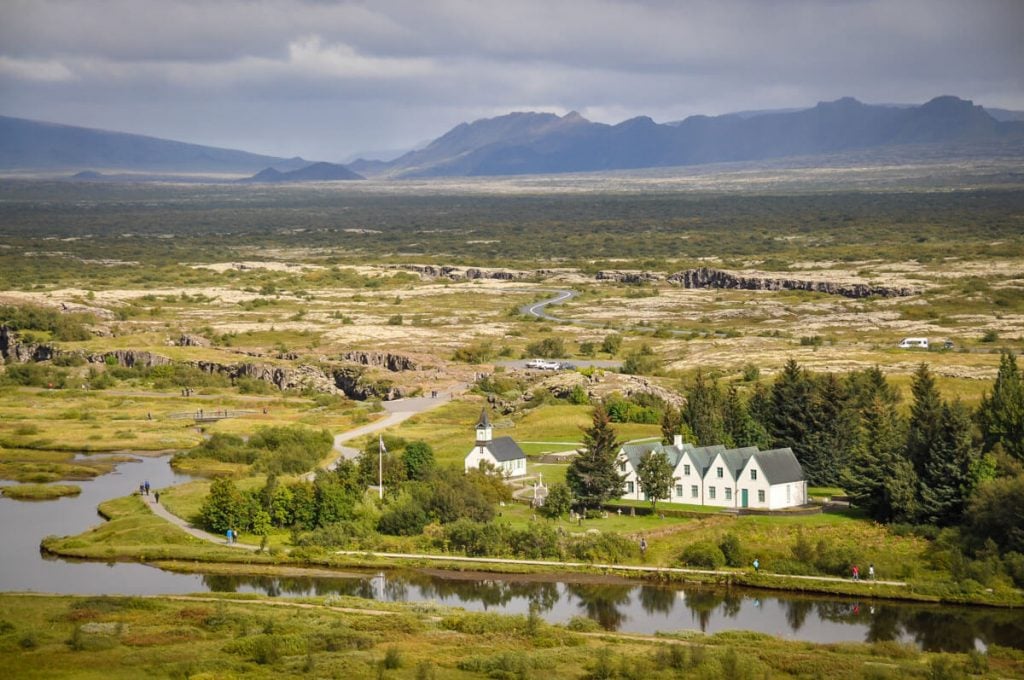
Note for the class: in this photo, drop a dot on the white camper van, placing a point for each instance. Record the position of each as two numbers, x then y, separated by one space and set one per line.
914 343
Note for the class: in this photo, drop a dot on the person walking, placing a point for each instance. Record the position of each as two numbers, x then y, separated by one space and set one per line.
871 572
156 497
757 565
856 573
146 485
643 547
228 535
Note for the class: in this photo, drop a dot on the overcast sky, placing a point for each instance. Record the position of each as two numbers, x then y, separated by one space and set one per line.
326 79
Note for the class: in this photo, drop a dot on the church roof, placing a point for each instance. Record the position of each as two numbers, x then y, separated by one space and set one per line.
780 466
484 420
504 449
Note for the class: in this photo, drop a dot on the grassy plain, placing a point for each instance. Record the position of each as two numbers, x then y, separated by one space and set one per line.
225 636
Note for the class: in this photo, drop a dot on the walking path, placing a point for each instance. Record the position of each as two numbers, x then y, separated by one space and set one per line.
596 565
161 511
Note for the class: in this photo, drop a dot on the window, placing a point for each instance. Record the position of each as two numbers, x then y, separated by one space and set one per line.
711 492
686 470
622 466
760 495
629 487
719 471
753 474
679 490
694 491
728 494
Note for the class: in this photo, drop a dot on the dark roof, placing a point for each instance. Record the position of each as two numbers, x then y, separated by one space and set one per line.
504 449
780 466
484 420
736 459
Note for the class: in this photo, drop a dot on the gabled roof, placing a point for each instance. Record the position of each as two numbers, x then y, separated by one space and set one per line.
736 459
484 420
703 455
504 449
779 466
635 452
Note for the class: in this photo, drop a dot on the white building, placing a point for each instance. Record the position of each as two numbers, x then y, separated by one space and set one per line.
502 453
721 477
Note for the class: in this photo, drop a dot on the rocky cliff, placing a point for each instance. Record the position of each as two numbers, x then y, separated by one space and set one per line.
717 278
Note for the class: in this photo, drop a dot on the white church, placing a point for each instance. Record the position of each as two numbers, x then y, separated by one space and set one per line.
502 453
717 476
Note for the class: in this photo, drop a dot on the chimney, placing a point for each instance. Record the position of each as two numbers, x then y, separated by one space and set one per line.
677 441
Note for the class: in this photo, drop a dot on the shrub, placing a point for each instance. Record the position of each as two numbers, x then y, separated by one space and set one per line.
551 348
392 658
703 554
732 550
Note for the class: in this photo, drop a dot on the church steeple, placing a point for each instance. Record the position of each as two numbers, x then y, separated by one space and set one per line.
483 429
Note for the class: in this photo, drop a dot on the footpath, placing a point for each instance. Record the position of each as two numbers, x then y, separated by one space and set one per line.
597 565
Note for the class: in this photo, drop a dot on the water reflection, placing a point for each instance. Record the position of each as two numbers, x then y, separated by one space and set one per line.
645 608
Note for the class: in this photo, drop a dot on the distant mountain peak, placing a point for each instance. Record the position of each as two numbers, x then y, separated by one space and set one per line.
574 117
314 172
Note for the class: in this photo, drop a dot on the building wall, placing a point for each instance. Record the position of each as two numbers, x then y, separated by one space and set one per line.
629 475
474 457
753 486
788 495
724 486
688 481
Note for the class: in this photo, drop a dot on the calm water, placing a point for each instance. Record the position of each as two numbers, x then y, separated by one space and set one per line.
615 604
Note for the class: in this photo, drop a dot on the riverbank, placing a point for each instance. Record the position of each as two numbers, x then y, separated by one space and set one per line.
225 635
134 533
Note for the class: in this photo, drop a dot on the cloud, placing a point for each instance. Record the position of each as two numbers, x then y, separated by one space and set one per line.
47 71
319 75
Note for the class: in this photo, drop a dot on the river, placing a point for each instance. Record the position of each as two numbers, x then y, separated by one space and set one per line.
616 604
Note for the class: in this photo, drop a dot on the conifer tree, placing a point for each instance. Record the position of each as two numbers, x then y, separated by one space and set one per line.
1001 413
948 472
704 412
671 423
739 425
790 420
925 430
593 475
833 435
880 479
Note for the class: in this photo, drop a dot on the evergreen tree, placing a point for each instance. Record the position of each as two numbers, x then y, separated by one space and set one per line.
1001 414
558 501
925 430
704 404
863 387
948 476
654 474
593 475
833 436
791 416
880 479
759 406
671 423
740 426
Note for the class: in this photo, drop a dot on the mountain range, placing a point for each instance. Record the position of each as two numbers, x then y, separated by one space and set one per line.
539 143
543 143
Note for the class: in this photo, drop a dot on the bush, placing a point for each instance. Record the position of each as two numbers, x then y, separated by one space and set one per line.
732 550
551 348
404 517
703 554
392 658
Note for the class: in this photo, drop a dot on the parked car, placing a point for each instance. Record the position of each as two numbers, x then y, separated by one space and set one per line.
543 364
948 344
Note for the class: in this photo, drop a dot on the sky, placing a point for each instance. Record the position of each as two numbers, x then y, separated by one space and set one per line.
327 80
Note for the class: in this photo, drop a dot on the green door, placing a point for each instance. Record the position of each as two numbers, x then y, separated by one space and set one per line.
743 498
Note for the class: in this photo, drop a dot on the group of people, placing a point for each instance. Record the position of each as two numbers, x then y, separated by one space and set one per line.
856 572
144 491
231 535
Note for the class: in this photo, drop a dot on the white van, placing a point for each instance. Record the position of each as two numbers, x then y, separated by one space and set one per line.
914 343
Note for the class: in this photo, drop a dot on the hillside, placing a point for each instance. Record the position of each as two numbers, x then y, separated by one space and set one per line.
315 172
539 143
33 145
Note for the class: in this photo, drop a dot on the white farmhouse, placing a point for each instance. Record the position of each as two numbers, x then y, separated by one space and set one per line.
717 476
502 453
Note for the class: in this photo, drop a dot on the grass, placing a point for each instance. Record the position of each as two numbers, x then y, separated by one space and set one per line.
228 635
40 492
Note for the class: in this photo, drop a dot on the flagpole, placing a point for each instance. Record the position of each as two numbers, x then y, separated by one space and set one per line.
380 468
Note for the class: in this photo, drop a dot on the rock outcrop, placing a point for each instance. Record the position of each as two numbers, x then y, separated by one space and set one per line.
14 350
628 276
387 360
717 278
466 273
190 340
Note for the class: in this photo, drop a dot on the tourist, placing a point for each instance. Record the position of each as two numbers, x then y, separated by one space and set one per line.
643 547
146 486
871 572
856 573
156 497
757 565
228 535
